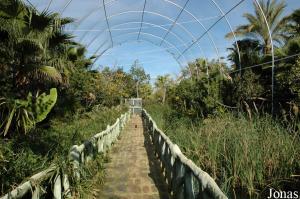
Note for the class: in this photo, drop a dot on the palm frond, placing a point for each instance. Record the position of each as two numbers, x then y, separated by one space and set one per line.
50 73
38 21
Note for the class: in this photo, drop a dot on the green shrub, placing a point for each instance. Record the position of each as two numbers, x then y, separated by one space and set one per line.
24 155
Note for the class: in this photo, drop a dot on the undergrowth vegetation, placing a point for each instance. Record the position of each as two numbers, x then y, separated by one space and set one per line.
28 154
243 156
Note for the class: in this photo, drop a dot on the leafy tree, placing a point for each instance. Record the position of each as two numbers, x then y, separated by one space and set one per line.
139 75
198 96
163 83
35 56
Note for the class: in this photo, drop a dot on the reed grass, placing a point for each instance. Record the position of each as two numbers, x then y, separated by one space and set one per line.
245 157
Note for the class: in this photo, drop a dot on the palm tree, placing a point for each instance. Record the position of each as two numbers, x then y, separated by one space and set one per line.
250 52
257 27
33 59
33 46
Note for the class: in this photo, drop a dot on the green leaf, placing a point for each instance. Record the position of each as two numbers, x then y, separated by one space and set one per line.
44 104
9 120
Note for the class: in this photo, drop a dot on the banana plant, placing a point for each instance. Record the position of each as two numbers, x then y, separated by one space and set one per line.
23 114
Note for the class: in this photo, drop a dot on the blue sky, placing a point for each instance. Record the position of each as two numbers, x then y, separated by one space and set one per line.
157 57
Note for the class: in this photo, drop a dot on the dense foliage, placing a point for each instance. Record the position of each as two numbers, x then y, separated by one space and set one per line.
221 115
244 157
50 97
206 87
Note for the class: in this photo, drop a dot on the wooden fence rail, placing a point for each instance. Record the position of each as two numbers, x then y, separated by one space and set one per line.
78 156
185 179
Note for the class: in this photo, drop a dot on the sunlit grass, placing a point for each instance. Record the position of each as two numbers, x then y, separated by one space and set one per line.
243 156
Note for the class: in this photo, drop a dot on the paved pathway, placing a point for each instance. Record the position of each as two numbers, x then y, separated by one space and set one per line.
133 172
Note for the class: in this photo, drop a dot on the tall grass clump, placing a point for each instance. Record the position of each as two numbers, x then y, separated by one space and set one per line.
245 157
24 155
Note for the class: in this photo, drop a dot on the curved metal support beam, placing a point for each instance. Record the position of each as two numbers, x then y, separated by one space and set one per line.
175 21
155 14
107 23
65 7
201 24
158 14
151 35
144 40
177 5
92 12
154 36
272 53
233 33
142 20
147 23
165 17
49 4
199 38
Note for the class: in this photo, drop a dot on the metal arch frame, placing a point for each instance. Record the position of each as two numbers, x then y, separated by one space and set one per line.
154 25
272 53
182 27
100 46
162 27
157 37
164 16
143 40
183 43
170 44
49 4
171 20
174 23
142 20
199 38
92 12
183 9
201 24
160 15
65 7
233 33
107 23
151 35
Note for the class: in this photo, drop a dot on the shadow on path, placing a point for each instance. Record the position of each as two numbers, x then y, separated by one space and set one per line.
155 169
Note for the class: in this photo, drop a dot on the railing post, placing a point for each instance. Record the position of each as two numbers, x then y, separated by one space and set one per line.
183 176
189 192
66 186
178 179
57 190
75 158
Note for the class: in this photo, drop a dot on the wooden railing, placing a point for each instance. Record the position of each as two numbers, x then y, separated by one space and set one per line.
99 143
78 156
184 178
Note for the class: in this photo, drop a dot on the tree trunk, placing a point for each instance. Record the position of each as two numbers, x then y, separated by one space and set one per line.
164 95
137 89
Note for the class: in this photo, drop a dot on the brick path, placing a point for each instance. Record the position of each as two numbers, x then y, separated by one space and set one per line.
133 172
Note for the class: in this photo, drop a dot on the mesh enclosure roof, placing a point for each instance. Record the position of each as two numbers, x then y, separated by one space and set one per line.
185 29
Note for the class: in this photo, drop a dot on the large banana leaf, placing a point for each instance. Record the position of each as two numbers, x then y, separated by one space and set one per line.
24 114
43 105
